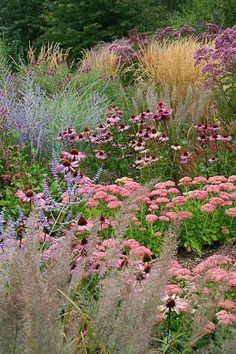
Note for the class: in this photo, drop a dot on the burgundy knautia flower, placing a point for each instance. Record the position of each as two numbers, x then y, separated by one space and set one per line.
51 72
66 81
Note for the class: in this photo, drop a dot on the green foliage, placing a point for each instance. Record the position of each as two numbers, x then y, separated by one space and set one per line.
17 170
50 80
4 64
198 12
225 93
80 24
20 23
229 12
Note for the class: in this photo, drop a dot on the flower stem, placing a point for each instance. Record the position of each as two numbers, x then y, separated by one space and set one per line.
168 325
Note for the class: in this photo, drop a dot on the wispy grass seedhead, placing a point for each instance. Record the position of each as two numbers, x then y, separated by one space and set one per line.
30 303
102 60
126 310
170 64
50 55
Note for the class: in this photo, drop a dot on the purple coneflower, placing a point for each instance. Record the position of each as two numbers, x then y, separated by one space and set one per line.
176 147
73 155
101 155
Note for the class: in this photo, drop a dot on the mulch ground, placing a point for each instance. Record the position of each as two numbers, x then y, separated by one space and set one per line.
190 259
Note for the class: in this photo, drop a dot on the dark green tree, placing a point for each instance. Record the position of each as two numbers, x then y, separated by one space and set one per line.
20 22
229 13
198 12
79 24
173 5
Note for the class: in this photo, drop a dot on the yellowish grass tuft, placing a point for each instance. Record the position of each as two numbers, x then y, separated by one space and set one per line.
101 60
170 64
51 55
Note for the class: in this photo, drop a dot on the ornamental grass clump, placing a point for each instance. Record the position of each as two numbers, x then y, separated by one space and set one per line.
29 298
51 55
126 310
104 61
170 64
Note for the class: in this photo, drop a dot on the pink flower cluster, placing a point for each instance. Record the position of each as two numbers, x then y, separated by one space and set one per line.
170 32
209 133
163 204
107 254
225 318
184 283
145 125
221 58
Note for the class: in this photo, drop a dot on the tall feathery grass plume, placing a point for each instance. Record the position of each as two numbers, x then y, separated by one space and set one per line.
170 64
77 320
127 211
101 60
51 55
194 107
125 314
30 303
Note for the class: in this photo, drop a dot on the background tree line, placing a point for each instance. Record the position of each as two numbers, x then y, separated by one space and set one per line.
79 24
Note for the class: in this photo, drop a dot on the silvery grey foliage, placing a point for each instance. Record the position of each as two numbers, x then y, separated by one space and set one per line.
30 117
77 109
38 118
